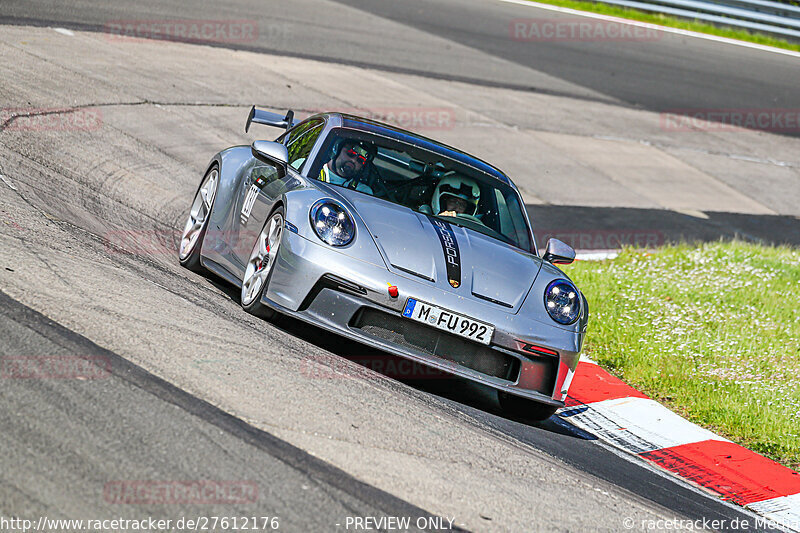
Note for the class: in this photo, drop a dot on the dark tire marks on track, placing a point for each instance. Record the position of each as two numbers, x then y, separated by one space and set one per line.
29 333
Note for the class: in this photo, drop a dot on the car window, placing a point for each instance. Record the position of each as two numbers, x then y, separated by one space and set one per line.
510 217
300 140
425 181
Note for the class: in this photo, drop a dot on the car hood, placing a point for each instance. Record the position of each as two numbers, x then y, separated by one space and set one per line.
414 244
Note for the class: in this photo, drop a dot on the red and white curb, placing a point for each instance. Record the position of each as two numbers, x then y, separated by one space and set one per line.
618 414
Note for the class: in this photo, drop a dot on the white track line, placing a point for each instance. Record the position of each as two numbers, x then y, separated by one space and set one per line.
7 182
64 31
637 425
666 29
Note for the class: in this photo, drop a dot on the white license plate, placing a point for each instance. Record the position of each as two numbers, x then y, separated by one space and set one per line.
448 321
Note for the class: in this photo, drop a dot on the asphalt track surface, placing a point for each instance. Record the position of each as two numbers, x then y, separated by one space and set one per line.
672 72
53 424
66 441
66 438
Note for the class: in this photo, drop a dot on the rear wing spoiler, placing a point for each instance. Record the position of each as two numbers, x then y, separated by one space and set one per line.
269 119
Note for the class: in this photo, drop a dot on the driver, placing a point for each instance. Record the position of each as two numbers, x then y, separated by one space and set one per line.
349 165
456 194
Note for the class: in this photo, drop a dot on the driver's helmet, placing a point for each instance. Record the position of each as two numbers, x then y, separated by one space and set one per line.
365 150
459 186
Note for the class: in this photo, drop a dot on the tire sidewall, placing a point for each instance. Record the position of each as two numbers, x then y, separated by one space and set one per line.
256 307
192 261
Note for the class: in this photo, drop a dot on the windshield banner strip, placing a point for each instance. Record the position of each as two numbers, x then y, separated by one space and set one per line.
452 257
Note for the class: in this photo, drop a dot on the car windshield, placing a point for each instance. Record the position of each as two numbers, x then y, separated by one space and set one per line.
424 181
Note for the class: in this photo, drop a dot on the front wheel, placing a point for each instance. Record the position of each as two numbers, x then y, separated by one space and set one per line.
195 229
524 408
261 264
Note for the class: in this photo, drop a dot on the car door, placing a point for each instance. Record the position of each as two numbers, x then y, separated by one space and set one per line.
264 183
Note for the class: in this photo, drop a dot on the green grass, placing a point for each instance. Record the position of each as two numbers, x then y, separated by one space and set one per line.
674 22
713 332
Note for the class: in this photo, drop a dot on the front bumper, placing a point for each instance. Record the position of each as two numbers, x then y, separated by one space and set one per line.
330 289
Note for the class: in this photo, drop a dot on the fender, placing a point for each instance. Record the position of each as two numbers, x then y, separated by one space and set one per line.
234 164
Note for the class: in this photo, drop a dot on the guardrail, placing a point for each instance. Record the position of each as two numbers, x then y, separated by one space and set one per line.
763 16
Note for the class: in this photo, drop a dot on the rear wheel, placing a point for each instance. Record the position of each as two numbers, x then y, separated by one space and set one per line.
524 408
261 264
195 229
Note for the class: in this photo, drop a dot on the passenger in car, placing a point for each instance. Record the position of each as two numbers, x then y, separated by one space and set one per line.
455 195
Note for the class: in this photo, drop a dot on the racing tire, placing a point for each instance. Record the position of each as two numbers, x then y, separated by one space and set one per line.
260 266
524 408
199 214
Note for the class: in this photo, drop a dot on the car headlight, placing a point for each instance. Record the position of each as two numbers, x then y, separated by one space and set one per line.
562 301
332 223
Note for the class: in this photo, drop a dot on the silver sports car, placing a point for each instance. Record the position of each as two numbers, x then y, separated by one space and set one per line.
397 241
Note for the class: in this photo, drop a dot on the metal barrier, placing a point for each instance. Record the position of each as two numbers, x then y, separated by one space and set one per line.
761 16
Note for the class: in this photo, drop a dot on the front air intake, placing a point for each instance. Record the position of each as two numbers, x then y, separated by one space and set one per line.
405 333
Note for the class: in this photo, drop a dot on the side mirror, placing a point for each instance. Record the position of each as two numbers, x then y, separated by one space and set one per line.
559 253
273 153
